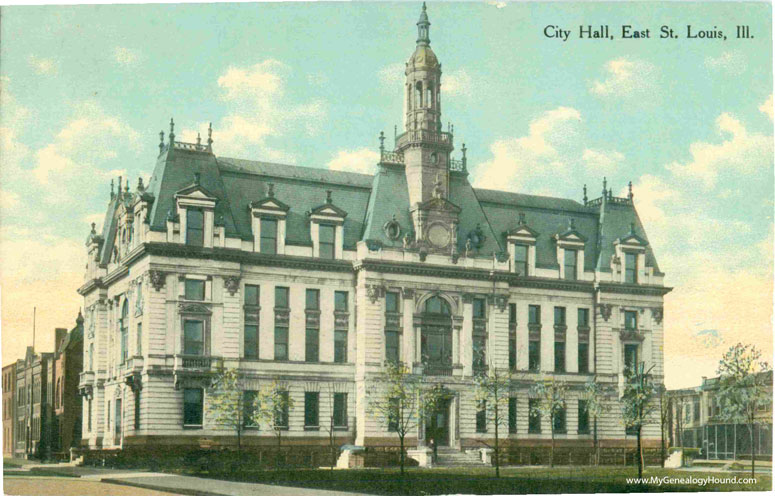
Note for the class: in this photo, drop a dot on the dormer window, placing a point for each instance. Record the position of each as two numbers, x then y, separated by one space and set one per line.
327 229
570 264
570 252
195 223
327 237
521 257
521 242
630 251
631 268
268 223
268 236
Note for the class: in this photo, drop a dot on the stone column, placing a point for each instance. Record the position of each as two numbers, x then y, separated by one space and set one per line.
407 324
466 335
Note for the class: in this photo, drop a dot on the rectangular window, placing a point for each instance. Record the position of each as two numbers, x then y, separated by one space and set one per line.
268 242
137 409
312 345
249 409
193 337
534 355
124 342
479 308
193 403
392 325
340 346
139 344
89 416
195 290
280 297
696 409
391 302
340 301
534 314
630 320
280 343
281 410
512 336
252 295
195 227
520 259
583 317
251 316
512 415
630 356
570 265
559 316
251 340
480 352
481 416
631 268
393 415
340 409
311 409
583 417
391 346
327 237
534 417
583 358
559 356
313 299
559 421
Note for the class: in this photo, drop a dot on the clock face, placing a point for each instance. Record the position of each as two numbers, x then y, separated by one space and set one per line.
438 235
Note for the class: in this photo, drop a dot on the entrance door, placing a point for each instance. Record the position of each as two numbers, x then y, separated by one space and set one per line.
437 424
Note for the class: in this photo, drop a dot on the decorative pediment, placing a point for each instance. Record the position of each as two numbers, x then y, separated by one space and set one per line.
522 231
570 235
197 192
269 203
328 209
194 308
632 239
439 204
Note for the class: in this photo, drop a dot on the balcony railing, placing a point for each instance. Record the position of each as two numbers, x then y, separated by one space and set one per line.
457 165
437 369
196 362
423 136
391 157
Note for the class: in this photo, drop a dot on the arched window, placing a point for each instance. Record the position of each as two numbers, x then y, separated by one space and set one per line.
418 94
437 305
429 98
124 329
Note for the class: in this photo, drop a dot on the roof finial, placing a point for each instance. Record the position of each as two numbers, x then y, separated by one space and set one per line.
161 141
197 178
629 195
381 142
571 223
585 194
328 196
140 186
112 194
610 193
118 191
464 160
270 190
94 228
210 136
423 28
172 131
522 218
632 228
126 186
198 139
605 187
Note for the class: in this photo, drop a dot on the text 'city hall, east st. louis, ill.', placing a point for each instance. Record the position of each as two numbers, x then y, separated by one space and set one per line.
313 279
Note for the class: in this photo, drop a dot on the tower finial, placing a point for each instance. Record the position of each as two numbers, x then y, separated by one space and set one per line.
270 190
381 142
605 187
629 195
172 131
210 136
112 194
585 194
328 196
161 141
198 140
423 28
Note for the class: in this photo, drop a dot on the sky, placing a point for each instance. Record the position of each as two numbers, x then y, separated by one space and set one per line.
86 89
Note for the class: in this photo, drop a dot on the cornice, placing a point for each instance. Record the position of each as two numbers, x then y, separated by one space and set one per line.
635 289
90 286
430 270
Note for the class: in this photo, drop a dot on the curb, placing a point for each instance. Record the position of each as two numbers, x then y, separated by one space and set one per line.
167 489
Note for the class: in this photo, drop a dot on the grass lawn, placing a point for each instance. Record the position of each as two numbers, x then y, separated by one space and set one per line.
522 480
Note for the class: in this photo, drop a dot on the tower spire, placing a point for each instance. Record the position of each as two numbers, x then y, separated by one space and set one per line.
423 28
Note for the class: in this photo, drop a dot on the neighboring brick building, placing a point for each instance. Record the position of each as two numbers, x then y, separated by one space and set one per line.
67 402
33 405
9 407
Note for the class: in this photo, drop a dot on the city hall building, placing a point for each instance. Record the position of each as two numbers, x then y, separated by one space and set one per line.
314 278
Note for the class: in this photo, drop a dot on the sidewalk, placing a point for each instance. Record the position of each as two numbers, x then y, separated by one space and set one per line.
179 484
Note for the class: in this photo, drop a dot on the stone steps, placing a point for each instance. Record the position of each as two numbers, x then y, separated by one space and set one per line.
455 458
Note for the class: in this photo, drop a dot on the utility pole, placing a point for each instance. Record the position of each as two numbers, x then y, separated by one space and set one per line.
34 312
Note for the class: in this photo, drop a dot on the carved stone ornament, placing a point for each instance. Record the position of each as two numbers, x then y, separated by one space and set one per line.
605 310
86 391
477 237
657 313
408 293
392 229
502 256
468 298
501 302
231 283
158 279
374 292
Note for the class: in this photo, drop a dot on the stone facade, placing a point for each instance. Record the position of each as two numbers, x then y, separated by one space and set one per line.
9 407
314 278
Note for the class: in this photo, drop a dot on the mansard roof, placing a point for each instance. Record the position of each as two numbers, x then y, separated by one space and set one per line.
373 201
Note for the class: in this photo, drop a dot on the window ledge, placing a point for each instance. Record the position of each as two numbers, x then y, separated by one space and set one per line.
192 426
281 428
341 428
311 427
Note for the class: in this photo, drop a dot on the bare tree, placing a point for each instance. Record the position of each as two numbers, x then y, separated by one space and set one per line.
330 425
401 400
638 403
493 387
665 404
232 406
595 397
550 394
277 403
745 386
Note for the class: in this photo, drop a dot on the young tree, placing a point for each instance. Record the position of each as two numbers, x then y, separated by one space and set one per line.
595 396
492 388
278 405
329 426
233 407
745 386
401 400
638 403
550 394
665 404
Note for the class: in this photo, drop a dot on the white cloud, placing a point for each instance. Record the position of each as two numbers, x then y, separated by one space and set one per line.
730 61
741 152
259 112
457 83
8 199
766 107
602 161
625 77
126 57
363 160
541 153
42 66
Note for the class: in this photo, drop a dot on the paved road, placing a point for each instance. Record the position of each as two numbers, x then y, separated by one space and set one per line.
61 486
